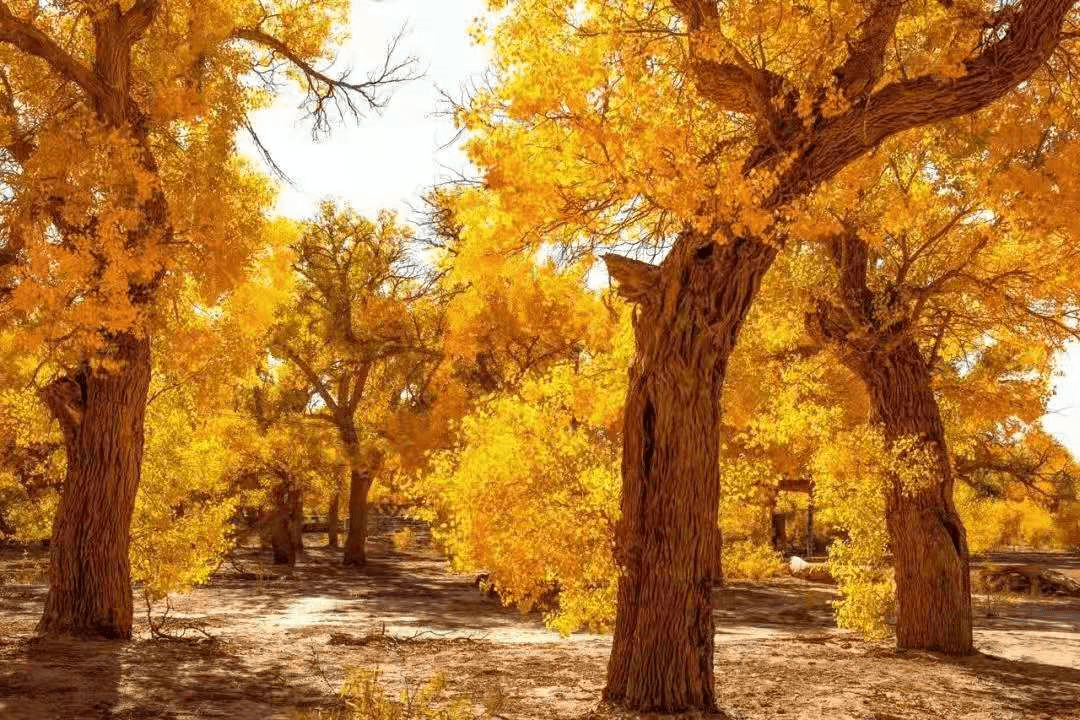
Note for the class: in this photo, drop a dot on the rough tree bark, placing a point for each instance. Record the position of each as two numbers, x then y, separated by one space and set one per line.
661 656
929 544
100 407
362 468
111 447
689 311
872 336
356 538
101 413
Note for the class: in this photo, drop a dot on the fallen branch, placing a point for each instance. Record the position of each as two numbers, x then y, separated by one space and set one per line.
180 628
814 572
1034 580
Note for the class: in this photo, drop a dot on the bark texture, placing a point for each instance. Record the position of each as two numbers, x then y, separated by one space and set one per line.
363 464
356 538
690 310
933 578
101 413
100 408
873 338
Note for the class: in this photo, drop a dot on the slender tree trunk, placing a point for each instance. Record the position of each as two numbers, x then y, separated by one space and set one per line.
101 412
5 526
929 543
297 527
362 468
689 313
333 518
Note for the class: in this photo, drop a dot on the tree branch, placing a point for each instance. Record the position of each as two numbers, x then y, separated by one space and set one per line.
310 374
24 36
737 87
356 394
324 90
866 56
636 280
136 20
1033 34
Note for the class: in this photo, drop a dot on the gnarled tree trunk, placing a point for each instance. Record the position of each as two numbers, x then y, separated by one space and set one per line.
101 412
689 313
929 544
873 338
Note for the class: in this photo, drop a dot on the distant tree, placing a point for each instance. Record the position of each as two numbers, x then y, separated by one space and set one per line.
935 264
362 331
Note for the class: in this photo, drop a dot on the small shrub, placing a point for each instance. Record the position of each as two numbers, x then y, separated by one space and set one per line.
363 697
869 599
747 560
403 539
990 597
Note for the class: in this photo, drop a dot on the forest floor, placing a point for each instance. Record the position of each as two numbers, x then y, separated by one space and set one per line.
282 647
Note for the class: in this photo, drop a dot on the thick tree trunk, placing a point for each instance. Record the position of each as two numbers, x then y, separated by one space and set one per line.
356 539
333 518
281 540
689 313
286 522
933 579
101 411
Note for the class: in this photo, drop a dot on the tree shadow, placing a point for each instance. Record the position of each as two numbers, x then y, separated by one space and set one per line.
1032 689
396 588
91 680
68 678
1056 560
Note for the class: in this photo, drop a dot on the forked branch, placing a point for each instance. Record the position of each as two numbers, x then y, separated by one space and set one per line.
325 92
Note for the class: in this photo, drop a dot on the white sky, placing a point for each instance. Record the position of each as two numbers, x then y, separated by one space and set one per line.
389 160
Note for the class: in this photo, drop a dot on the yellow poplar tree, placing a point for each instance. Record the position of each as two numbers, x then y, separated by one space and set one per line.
361 330
701 130
119 118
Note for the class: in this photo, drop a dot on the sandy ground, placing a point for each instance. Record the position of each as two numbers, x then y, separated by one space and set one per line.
282 648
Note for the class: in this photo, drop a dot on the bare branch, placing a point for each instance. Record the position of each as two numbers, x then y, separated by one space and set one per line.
326 92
